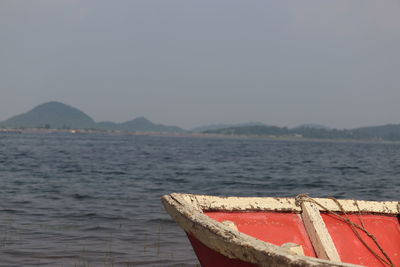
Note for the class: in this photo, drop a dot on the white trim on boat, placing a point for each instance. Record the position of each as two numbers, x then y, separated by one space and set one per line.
214 203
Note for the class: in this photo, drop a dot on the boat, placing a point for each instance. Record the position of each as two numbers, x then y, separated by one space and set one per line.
299 231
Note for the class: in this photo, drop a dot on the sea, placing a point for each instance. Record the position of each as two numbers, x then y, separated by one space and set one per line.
94 199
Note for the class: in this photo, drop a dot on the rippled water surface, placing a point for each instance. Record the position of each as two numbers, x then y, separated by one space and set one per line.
93 200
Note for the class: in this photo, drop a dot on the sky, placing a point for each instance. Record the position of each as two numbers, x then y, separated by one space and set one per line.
192 63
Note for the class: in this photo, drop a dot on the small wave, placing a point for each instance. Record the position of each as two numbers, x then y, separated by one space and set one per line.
161 221
97 228
19 182
22 202
182 173
93 215
200 169
346 168
177 180
12 211
114 172
81 197
80 215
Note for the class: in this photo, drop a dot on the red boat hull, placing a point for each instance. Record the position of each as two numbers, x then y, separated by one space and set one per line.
280 228
210 258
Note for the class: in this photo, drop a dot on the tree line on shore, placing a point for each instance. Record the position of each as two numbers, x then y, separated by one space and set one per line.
390 132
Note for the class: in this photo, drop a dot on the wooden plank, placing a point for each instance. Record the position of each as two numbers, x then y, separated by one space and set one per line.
357 206
214 203
318 233
209 203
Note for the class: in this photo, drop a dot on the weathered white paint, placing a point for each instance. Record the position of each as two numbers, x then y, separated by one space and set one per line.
213 203
318 233
184 209
293 248
230 224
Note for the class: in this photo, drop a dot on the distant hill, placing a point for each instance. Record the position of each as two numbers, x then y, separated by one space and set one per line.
390 132
312 126
139 124
56 115
253 130
385 132
108 125
51 115
213 127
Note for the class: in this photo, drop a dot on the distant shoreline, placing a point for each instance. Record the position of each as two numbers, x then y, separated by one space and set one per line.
55 116
190 134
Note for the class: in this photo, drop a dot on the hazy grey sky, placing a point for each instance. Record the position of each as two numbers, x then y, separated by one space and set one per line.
190 63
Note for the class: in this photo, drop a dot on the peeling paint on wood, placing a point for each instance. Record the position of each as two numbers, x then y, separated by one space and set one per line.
293 248
214 203
319 235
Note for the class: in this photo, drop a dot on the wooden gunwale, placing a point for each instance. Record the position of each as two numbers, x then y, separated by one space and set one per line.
215 203
187 211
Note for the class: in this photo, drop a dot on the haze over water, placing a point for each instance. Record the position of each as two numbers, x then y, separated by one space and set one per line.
94 200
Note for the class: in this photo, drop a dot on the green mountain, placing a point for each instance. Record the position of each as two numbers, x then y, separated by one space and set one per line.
56 115
312 126
143 124
253 130
107 125
212 127
139 124
389 132
51 115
